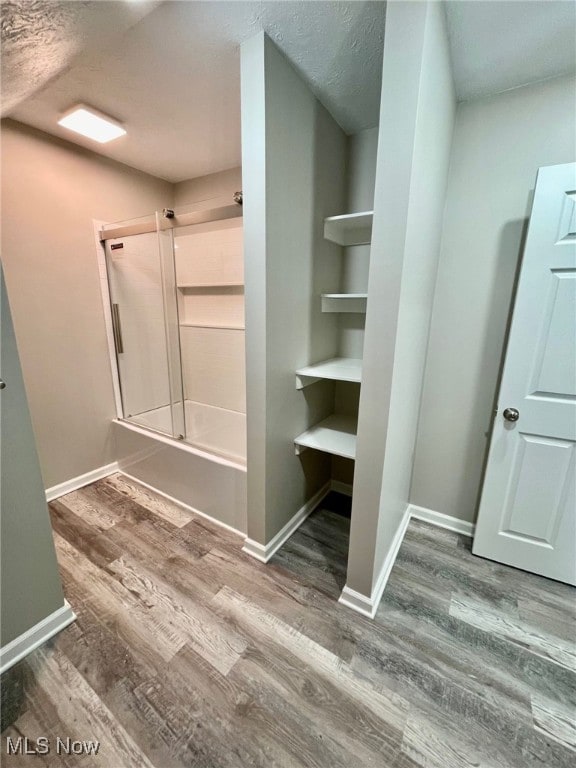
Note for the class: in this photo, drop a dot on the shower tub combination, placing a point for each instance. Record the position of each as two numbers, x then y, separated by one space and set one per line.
173 288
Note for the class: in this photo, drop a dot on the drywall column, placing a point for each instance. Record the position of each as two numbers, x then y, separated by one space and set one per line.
416 124
33 605
293 169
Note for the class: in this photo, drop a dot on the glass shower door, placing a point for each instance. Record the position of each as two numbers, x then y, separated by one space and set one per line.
171 323
142 289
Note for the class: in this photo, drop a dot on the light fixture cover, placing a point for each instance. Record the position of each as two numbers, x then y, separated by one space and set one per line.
91 123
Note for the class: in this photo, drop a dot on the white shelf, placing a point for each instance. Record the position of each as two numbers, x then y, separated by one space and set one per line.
344 302
337 369
183 286
208 325
350 229
335 435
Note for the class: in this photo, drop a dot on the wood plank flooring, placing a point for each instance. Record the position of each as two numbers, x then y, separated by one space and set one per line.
186 652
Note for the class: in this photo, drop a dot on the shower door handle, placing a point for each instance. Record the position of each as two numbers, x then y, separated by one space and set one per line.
117 329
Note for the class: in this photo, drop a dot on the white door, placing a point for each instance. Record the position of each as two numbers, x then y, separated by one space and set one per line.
527 512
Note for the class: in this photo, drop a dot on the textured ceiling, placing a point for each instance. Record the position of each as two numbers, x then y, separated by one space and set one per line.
42 39
497 45
171 70
174 78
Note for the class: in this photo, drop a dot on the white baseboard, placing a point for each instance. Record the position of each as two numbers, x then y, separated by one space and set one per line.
369 605
264 552
339 487
256 550
28 641
441 520
182 504
79 482
389 561
357 601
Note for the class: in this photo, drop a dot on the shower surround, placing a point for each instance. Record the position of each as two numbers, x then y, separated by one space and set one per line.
173 289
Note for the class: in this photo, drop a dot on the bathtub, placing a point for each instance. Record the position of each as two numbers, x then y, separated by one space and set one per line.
197 476
216 430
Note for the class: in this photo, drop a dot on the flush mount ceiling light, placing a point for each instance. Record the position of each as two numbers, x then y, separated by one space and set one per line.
91 123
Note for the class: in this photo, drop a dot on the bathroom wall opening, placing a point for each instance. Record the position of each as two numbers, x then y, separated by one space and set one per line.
176 290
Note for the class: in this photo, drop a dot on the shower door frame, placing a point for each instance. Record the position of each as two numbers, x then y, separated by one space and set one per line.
162 224
173 353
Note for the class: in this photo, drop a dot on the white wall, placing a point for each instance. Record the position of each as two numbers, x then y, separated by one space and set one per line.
51 192
499 144
209 259
416 123
293 160
213 359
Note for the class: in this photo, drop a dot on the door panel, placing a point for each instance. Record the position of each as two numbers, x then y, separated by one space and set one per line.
527 496
555 371
527 514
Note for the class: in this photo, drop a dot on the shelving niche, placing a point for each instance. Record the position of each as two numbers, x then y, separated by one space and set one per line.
336 435
349 229
344 302
336 369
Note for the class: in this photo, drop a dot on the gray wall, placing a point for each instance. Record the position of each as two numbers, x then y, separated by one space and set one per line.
214 189
293 160
30 582
499 143
361 175
416 123
51 192
362 149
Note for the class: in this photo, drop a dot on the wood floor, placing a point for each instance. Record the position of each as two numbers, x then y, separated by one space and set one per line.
187 652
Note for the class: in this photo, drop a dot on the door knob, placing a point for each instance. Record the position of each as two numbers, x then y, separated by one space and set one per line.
2 384
511 414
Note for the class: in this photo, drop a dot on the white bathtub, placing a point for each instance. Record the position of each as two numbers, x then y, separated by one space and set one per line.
212 429
198 476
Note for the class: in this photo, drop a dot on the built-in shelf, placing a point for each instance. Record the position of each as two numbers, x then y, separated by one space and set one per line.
212 325
337 369
344 302
349 229
335 435
191 286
